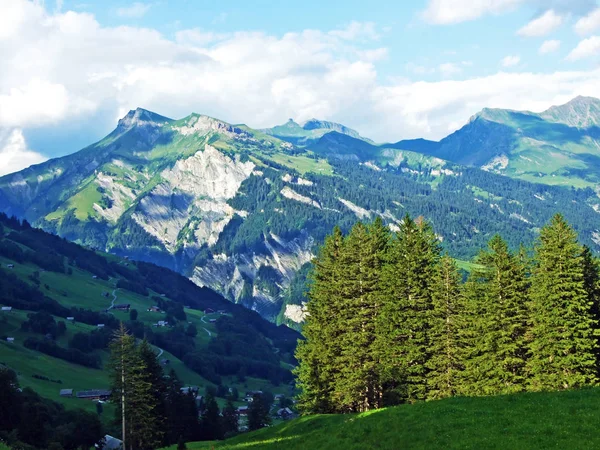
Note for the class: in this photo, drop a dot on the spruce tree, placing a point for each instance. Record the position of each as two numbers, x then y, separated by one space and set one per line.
155 376
357 382
445 363
258 413
230 418
563 342
403 344
501 313
212 428
132 393
317 354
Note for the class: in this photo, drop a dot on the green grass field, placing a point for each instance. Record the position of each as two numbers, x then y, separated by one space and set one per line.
559 420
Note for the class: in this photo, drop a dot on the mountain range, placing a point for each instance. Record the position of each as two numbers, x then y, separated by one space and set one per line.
242 210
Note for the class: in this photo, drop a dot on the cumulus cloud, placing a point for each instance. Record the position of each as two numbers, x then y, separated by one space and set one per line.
59 68
134 11
589 23
549 46
585 49
14 154
444 12
542 25
449 69
510 60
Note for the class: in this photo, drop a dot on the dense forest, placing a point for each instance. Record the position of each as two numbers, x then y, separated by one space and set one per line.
391 319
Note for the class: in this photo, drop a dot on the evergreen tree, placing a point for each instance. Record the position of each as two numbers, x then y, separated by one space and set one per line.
404 345
357 382
498 364
154 375
563 341
318 353
181 412
258 413
230 418
132 391
211 420
446 317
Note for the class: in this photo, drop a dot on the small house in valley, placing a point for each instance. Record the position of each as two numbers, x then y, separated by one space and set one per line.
123 307
66 392
94 394
6 308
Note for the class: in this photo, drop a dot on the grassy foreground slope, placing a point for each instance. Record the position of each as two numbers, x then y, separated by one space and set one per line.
557 420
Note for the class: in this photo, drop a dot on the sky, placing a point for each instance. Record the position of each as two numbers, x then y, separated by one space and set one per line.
391 70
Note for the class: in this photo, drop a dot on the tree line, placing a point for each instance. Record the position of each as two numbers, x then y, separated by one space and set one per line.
154 411
391 320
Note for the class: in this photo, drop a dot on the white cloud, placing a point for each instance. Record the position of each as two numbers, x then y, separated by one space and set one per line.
549 46
510 60
373 55
357 30
586 48
443 12
14 154
542 25
134 11
449 69
588 24
58 68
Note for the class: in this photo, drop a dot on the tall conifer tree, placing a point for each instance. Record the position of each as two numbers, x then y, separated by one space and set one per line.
499 359
132 390
403 342
357 384
317 355
446 317
563 343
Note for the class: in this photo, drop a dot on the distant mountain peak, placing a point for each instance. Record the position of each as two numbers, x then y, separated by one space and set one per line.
581 112
316 124
141 117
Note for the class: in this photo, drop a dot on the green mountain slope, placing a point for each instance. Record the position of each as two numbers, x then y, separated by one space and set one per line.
310 132
242 211
560 146
46 280
522 421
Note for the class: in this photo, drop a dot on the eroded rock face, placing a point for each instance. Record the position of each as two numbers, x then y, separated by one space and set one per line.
189 207
226 273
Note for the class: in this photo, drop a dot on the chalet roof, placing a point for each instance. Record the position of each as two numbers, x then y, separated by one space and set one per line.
93 393
66 392
112 443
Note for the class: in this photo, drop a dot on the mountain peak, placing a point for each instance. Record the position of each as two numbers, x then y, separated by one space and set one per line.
141 117
316 124
581 112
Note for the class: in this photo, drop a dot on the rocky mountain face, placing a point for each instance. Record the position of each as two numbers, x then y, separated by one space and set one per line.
243 211
560 146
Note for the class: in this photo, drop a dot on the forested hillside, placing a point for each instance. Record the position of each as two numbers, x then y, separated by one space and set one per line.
61 305
242 211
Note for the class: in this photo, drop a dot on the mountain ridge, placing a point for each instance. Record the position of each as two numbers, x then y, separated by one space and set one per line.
242 211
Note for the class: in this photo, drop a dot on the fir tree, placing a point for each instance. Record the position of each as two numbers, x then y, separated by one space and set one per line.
318 353
403 343
357 381
258 413
501 313
230 418
563 342
132 393
446 317
211 420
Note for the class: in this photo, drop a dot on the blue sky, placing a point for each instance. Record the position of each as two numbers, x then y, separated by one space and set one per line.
392 70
